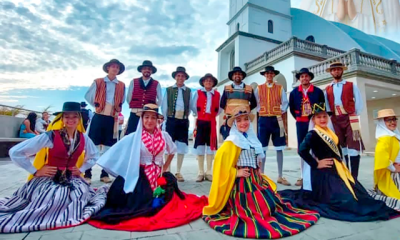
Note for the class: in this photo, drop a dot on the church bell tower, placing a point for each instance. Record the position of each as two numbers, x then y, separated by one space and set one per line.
255 26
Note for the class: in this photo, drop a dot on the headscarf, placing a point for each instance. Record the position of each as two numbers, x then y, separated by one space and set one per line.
245 142
123 159
382 130
41 157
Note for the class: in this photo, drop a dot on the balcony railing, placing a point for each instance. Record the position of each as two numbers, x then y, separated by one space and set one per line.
293 44
357 60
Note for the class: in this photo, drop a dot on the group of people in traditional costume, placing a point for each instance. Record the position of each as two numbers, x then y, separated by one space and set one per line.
243 201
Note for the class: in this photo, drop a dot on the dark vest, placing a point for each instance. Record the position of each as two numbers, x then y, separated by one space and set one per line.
172 96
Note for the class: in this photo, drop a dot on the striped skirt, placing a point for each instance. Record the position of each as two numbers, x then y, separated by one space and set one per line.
393 203
254 210
41 204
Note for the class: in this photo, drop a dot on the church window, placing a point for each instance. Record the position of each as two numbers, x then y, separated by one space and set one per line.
311 38
270 26
232 60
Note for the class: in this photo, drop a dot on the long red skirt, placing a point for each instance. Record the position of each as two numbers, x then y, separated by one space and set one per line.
176 213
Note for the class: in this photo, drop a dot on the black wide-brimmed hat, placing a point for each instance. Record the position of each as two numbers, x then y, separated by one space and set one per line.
208 75
147 63
236 69
121 66
269 69
83 104
318 108
336 65
70 107
182 70
150 107
306 71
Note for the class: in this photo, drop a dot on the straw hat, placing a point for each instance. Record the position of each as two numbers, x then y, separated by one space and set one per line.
149 108
386 113
336 65
240 111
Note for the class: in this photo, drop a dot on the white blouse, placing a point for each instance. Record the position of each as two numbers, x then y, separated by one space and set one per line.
21 153
146 158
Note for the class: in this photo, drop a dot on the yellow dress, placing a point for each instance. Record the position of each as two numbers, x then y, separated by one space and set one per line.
386 152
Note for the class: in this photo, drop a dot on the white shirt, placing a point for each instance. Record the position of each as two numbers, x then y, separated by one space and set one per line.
110 91
337 93
240 86
284 100
146 158
180 105
209 101
20 154
131 87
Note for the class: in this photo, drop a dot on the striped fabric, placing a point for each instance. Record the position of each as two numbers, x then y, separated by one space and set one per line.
270 100
153 172
41 204
390 202
247 158
100 97
254 210
154 143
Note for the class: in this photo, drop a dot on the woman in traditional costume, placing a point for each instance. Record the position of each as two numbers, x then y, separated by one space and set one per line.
140 199
242 201
55 196
328 187
387 160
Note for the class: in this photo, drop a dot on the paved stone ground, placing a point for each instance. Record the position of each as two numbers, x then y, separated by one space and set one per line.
12 177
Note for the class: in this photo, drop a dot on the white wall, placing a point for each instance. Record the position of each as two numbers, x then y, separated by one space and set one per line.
258 25
242 19
224 61
250 48
281 6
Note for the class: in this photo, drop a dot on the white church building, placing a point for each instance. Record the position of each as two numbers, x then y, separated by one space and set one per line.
270 32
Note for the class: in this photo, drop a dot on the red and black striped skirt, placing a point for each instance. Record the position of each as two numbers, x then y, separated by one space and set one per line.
254 210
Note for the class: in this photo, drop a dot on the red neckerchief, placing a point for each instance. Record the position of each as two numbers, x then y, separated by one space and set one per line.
154 144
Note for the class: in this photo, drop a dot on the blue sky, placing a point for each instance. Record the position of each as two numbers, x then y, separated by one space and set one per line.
52 50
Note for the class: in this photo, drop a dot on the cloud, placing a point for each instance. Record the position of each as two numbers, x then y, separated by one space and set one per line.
56 44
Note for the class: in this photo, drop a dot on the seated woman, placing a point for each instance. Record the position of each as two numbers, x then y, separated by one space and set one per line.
387 160
56 196
242 202
328 186
27 128
139 198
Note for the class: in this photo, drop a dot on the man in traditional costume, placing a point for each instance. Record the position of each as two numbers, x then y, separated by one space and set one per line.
371 16
144 196
272 104
143 90
242 201
301 100
55 195
236 94
176 107
344 101
328 186
387 159
106 95
205 105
